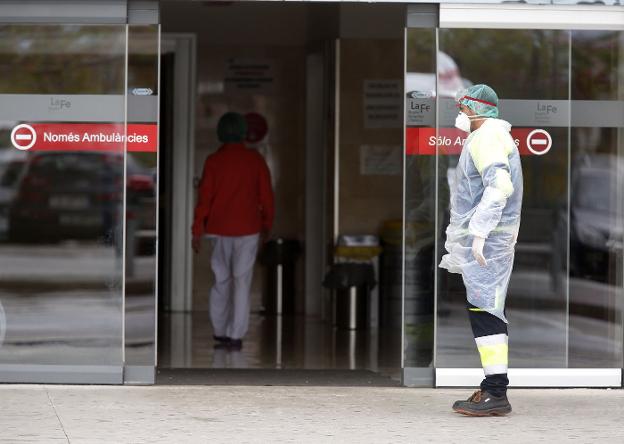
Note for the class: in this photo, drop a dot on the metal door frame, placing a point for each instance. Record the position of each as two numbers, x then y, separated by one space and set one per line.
184 46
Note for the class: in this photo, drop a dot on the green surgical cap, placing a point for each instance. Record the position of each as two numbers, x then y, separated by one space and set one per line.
481 99
232 127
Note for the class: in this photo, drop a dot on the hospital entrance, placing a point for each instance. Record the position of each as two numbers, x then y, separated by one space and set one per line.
107 123
350 283
321 88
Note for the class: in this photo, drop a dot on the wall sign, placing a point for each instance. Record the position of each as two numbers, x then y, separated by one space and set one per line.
85 137
383 103
380 160
449 141
420 111
23 137
249 75
539 142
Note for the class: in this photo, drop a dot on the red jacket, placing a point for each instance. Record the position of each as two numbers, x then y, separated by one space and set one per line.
235 197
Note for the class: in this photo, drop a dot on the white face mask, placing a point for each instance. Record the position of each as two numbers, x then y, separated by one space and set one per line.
462 122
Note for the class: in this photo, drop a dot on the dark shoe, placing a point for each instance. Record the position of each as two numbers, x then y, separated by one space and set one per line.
221 338
481 403
235 344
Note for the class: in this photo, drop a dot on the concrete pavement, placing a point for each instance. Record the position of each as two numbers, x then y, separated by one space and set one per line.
222 414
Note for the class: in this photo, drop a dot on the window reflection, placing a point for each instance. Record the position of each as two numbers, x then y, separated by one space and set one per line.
596 205
62 59
61 212
419 253
141 188
529 66
565 296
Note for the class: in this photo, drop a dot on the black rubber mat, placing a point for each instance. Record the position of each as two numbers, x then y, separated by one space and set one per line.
264 377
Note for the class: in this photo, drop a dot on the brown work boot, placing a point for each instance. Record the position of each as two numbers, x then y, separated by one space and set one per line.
481 403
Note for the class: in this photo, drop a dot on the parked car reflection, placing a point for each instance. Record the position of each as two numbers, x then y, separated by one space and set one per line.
12 163
73 195
596 217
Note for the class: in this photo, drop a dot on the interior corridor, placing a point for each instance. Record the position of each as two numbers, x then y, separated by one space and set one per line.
322 85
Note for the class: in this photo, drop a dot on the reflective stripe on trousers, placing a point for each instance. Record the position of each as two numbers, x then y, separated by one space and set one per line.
493 350
490 335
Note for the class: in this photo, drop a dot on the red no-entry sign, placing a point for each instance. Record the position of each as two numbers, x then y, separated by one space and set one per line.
85 137
23 137
539 142
449 141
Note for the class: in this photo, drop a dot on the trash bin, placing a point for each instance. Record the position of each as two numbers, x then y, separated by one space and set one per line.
353 279
351 283
279 258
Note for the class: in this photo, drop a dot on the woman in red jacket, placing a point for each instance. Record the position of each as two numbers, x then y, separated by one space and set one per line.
235 208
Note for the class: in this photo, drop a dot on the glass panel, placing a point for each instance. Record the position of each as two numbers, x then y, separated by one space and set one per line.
529 69
597 196
62 59
370 184
420 168
61 200
141 186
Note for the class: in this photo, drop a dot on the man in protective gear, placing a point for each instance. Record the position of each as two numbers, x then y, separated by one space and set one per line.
481 236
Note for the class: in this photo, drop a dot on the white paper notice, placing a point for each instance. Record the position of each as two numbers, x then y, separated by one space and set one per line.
383 103
380 160
249 76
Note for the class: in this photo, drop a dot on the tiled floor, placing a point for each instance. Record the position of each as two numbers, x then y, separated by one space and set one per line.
289 342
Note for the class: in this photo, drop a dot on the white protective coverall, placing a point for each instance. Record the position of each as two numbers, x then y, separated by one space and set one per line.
486 202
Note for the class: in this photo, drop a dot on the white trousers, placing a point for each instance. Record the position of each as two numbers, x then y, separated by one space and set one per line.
232 263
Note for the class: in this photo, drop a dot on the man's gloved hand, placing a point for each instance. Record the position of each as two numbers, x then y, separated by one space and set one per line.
477 250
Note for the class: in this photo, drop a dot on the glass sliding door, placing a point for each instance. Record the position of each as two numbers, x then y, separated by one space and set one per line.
141 204
529 69
562 90
419 222
62 158
596 199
